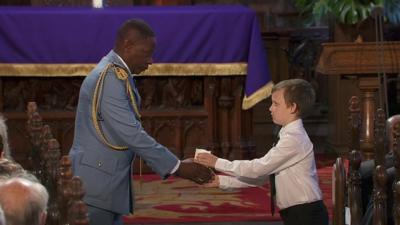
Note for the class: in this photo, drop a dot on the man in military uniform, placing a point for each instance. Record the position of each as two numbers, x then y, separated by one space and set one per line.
108 130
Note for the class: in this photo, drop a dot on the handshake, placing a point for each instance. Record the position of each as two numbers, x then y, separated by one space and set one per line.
195 172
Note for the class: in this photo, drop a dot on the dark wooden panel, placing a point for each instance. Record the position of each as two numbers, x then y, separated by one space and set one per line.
181 113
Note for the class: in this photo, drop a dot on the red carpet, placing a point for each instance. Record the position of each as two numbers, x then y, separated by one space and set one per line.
178 200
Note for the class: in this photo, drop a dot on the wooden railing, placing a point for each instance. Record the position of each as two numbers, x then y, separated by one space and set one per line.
347 192
55 173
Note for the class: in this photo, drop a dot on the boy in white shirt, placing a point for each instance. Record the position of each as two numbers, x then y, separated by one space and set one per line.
292 159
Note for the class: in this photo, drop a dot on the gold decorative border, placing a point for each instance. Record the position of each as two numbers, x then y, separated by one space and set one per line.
261 94
44 70
159 69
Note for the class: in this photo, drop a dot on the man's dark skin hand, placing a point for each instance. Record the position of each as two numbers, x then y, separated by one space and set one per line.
195 172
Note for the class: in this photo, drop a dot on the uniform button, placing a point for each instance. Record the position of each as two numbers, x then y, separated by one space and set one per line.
99 163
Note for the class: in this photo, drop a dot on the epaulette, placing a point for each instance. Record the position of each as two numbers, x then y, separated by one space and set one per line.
121 73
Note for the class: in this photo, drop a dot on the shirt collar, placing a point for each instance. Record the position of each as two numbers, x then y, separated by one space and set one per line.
123 62
290 126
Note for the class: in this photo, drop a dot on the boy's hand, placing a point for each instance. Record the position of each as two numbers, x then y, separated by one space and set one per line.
206 159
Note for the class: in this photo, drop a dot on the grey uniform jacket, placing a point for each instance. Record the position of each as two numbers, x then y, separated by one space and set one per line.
106 173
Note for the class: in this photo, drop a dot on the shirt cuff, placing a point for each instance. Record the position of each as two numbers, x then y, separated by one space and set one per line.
224 182
176 167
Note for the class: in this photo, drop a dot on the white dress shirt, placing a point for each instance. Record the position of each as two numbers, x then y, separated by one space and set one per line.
292 161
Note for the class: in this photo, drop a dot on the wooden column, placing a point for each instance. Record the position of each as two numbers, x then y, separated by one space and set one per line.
368 87
210 105
225 104
242 129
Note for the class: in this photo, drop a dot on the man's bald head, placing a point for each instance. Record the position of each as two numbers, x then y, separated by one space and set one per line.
24 201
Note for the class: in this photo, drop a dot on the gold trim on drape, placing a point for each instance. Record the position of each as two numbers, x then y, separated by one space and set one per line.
261 94
159 69
44 70
196 69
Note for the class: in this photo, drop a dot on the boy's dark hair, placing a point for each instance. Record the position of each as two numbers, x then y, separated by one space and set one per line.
297 91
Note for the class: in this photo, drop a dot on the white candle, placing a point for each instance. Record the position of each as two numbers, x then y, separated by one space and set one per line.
97 3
